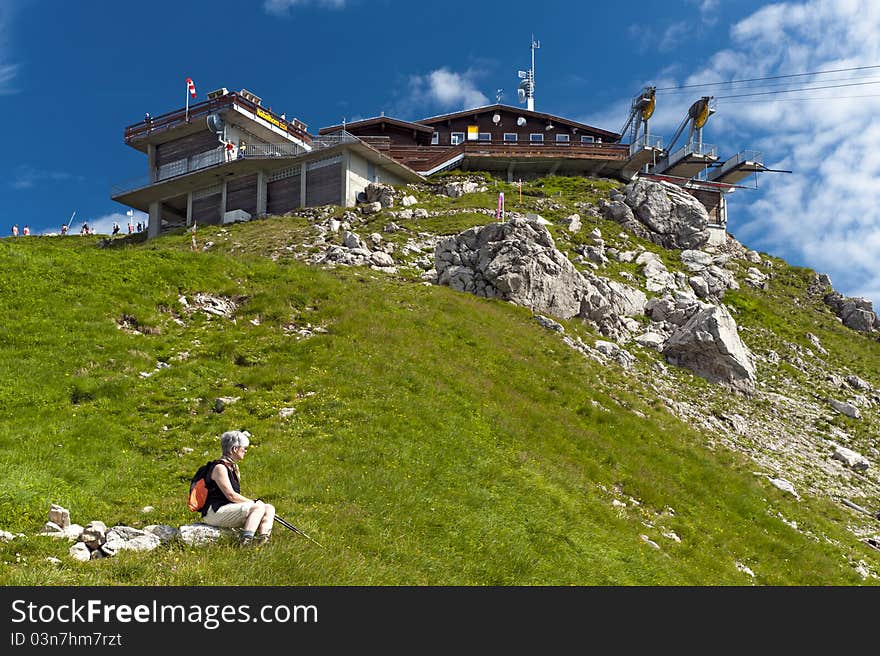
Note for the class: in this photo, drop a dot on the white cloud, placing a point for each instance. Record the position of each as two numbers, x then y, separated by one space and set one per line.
27 177
443 89
826 214
673 36
282 7
8 69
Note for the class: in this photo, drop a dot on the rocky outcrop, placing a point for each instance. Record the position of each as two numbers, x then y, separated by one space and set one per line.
708 344
661 212
518 261
855 313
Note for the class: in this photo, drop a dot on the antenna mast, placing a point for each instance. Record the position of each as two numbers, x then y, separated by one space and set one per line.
531 95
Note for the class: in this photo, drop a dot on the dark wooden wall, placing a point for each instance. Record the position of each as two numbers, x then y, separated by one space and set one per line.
206 211
711 200
178 149
398 135
324 185
508 124
241 194
283 195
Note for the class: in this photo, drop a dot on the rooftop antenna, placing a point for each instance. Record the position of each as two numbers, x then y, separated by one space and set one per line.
498 94
526 90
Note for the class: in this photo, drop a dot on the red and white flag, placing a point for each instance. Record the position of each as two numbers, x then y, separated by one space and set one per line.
191 87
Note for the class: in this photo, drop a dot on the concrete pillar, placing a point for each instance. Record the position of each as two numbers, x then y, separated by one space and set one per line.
346 168
262 189
189 209
155 222
151 162
302 185
223 202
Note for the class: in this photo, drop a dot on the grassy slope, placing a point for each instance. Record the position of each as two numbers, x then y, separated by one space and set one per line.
438 438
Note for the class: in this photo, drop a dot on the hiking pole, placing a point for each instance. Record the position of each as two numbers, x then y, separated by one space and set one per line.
293 528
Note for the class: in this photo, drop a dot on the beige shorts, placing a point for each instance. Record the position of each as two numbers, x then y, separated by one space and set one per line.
232 515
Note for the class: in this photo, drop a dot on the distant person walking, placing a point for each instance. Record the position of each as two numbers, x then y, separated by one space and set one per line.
27 230
139 227
63 229
130 228
226 506
15 230
115 228
85 229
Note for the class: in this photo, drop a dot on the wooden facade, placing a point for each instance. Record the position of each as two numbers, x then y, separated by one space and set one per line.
397 132
501 124
185 147
284 194
241 194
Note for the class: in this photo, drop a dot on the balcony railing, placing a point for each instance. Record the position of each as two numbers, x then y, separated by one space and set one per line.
173 119
646 142
218 156
740 158
699 149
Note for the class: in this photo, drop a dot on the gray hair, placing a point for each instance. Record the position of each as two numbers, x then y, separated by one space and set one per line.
232 439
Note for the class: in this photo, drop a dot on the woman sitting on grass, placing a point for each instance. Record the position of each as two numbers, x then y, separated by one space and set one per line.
226 507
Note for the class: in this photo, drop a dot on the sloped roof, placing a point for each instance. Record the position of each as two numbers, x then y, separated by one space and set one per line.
376 120
523 112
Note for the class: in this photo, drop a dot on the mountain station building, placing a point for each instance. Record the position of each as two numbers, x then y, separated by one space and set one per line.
231 159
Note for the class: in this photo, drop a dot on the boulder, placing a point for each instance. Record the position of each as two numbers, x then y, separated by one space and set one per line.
850 458
202 534
709 345
668 215
59 516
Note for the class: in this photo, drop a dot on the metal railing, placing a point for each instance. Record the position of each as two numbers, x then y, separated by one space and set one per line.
270 150
646 142
741 157
217 156
200 110
704 150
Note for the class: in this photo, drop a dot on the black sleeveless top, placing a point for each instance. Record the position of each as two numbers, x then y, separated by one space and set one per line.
216 498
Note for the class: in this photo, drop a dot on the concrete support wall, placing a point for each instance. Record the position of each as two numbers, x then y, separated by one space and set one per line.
302 184
189 209
261 193
155 221
151 162
345 182
357 175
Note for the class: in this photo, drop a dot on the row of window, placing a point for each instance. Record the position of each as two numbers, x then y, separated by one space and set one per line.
513 137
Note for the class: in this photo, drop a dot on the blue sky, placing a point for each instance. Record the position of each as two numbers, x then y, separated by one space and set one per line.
74 74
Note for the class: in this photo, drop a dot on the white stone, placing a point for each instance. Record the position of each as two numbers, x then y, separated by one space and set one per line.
81 552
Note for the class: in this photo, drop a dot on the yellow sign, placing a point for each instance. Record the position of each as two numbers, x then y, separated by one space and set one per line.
266 116
473 132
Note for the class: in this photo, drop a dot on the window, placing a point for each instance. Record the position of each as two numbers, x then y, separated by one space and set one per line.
562 139
510 137
536 138
435 138
484 136
456 138
587 139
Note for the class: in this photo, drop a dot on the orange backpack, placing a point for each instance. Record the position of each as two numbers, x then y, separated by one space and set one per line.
198 487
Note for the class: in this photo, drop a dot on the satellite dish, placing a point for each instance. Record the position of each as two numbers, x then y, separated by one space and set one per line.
521 121
496 119
521 95
216 123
